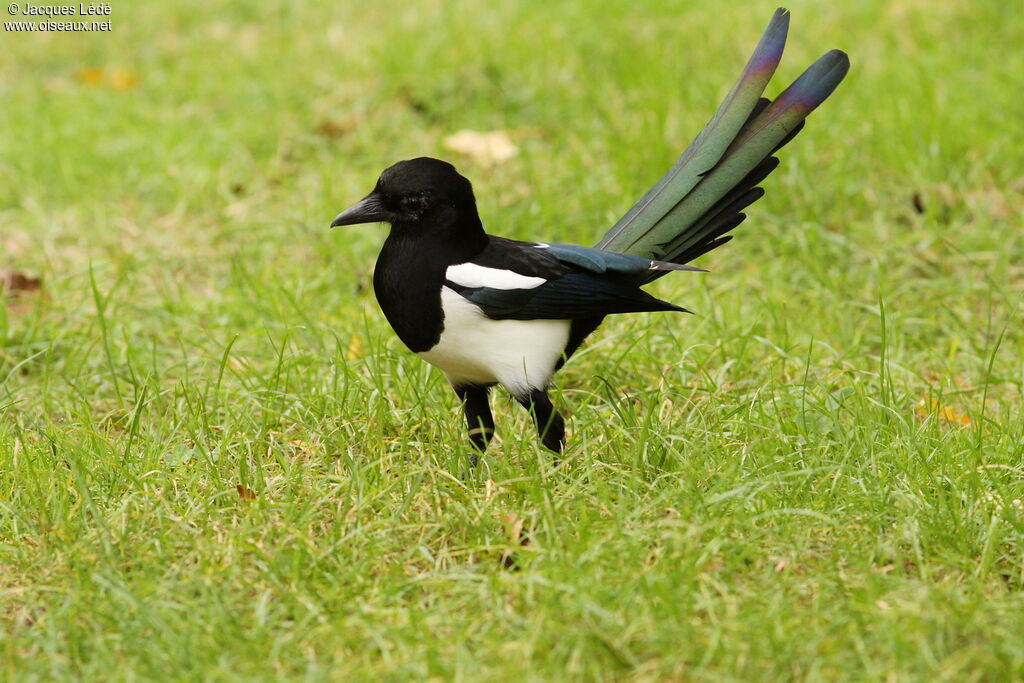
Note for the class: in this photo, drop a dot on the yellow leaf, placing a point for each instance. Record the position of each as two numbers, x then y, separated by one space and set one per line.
90 75
354 348
117 79
928 406
123 79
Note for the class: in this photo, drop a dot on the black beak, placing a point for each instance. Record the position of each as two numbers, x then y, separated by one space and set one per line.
368 210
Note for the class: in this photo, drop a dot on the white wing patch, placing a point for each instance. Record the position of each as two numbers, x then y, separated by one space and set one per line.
472 275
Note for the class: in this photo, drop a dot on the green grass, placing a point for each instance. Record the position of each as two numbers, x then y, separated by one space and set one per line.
217 462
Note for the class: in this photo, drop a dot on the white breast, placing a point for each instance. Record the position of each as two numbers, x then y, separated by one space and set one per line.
473 349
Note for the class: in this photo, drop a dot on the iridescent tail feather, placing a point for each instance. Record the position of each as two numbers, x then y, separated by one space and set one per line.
701 198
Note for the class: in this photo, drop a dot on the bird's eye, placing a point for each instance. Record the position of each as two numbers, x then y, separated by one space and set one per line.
414 204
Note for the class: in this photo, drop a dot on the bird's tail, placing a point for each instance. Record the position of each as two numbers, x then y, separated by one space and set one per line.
689 211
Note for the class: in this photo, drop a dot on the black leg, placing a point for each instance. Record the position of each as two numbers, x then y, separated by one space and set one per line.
478 417
550 425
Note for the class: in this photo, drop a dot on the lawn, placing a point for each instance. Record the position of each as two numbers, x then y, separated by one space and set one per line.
218 463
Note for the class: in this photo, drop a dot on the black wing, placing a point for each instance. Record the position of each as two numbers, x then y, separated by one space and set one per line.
577 282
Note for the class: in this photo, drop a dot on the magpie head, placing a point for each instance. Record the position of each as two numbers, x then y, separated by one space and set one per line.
423 193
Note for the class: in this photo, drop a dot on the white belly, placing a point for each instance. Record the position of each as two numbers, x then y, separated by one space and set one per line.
518 354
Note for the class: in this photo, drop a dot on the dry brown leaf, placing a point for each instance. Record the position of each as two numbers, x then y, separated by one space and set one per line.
244 492
917 202
513 527
12 246
514 531
331 128
489 147
13 282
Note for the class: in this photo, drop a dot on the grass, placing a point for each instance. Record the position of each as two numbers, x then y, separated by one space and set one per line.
217 463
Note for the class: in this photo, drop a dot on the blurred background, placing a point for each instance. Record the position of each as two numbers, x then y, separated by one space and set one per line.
188 162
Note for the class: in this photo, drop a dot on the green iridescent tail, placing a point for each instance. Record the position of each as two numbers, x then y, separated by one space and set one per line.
689 211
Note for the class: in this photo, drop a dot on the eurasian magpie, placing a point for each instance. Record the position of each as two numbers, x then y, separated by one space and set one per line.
487 310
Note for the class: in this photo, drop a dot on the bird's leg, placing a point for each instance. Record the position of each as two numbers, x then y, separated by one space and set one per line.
550 425
478 417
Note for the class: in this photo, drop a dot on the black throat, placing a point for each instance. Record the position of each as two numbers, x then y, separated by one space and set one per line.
410 273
